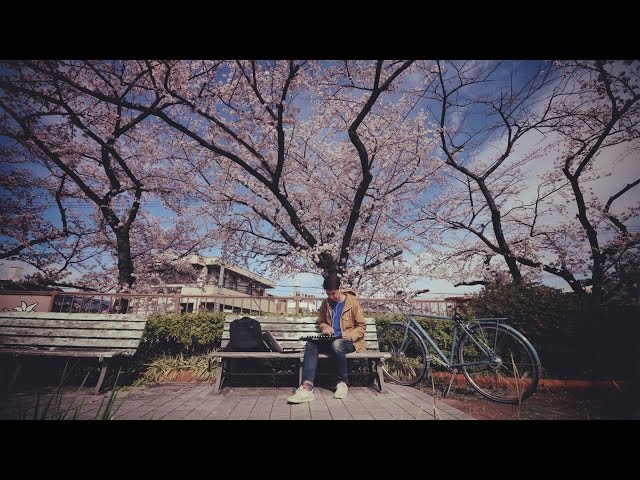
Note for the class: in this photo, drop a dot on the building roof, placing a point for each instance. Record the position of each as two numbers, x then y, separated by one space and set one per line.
229 266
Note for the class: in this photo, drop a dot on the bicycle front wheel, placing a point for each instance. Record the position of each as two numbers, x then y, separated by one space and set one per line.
507 371
409 361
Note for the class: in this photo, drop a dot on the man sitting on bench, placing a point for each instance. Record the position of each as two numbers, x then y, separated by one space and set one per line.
340 316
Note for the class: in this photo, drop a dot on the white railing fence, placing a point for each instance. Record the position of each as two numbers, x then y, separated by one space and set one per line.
81 302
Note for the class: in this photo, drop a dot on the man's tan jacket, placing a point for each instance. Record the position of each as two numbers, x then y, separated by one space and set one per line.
352 321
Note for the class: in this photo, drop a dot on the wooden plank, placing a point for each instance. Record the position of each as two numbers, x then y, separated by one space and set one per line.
77 316
294 327
296 332
291 321
367 354
301 320
293 355
71 342
371 336
69 332
299 345
63 352
256 355
51 323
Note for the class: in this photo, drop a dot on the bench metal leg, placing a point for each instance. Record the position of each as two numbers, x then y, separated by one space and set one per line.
379 375
14 376
103 374
300 367
219 375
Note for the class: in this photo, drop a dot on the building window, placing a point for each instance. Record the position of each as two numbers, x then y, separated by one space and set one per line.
186 307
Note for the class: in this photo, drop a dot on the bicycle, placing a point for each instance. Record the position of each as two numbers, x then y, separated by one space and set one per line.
496 359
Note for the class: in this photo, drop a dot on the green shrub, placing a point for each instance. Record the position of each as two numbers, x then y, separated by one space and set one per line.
573 339
188 334
439 330
549 318
533 309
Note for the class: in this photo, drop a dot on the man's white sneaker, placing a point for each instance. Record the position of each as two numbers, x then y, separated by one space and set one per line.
341 390
302 395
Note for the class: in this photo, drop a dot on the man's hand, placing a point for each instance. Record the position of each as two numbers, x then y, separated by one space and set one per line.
328 330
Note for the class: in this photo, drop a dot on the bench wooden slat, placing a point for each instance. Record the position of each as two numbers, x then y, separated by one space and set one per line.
295 332
29 322
280 335
64 352
268 322
299 344
45 342
68 332
371 354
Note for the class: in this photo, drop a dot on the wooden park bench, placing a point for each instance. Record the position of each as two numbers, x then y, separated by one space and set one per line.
94 335
287 331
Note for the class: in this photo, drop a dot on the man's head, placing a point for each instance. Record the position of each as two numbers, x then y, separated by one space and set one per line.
331 285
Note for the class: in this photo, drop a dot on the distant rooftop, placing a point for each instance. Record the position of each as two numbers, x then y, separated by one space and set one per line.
229 266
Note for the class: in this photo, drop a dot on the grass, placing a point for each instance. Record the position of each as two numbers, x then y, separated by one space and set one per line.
167 369
52 407
436 414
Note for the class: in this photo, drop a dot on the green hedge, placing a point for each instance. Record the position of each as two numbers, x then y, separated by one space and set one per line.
534 309
188 333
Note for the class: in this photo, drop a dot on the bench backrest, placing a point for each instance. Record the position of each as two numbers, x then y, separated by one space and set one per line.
56 332
288 330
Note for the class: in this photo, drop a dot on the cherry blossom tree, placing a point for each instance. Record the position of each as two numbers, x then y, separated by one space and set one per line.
523 162
98 161
311 162
599 131
29 234
321 190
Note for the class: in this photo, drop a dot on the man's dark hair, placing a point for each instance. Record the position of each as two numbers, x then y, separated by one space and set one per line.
331 282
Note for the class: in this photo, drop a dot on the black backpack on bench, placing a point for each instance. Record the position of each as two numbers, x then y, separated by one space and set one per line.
245 335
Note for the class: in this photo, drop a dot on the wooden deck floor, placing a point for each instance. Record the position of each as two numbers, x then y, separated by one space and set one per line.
184 401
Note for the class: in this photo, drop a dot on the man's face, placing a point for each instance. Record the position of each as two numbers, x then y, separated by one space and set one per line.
333 295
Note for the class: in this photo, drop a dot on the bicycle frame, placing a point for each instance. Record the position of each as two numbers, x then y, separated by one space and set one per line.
459 328
497 360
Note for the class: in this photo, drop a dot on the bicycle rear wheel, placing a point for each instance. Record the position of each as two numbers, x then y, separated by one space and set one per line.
511 373
409 361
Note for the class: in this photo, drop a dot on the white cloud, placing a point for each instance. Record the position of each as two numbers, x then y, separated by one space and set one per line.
14 270
309 283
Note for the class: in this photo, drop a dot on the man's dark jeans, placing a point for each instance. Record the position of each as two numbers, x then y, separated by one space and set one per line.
338 350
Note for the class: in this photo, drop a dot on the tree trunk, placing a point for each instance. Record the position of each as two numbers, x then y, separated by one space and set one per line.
125 269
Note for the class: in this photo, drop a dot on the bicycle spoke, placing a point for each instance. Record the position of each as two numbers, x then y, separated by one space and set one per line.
510 371
409 361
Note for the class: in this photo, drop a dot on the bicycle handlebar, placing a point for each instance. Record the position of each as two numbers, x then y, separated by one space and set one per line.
462 299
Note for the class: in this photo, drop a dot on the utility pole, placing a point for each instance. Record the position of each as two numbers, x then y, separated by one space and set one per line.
296 294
